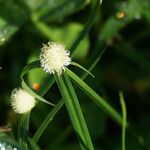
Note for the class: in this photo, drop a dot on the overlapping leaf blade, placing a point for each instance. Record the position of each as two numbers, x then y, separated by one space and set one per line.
96 98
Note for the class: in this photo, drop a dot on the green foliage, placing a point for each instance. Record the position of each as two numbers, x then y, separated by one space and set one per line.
11 18
124 116
96 98
74 111
87 29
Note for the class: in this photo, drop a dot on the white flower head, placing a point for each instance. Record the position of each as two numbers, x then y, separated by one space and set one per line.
54 58
22 101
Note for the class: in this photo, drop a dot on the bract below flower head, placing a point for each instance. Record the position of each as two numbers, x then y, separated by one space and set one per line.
22 101
54 58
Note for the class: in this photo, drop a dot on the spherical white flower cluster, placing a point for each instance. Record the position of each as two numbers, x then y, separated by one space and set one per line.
54 58
22 101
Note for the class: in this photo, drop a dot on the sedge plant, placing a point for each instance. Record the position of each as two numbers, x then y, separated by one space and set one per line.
55 59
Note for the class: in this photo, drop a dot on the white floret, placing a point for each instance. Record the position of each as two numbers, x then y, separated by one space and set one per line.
22 101
54 58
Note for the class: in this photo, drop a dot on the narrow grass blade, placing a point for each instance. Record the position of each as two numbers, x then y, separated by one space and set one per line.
96 98
87 27
70 108
33 65
47 121
44 88
124 116
94 62
23 127
79 111
74 111
58 106
28 89
79 66
44 29
47 83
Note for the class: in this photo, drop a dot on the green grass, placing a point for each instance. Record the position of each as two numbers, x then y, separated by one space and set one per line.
124 115
78 109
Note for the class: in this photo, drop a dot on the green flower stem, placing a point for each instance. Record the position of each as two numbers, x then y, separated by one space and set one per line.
96 98
87 27
44 28
45 86
23 130
124 115
74 111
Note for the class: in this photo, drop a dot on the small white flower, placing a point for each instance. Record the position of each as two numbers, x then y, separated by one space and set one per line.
22 101
54 58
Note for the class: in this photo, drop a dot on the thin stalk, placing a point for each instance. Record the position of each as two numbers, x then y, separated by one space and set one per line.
124 116
95 97
23 130
59 105
44 28
87 27
74 111
79 111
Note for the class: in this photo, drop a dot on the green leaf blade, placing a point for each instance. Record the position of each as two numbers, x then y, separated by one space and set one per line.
79 66
28 89
74 111
58 106
124 116
28 67
96 98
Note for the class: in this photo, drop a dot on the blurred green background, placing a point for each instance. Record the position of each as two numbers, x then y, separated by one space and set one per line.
122 27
